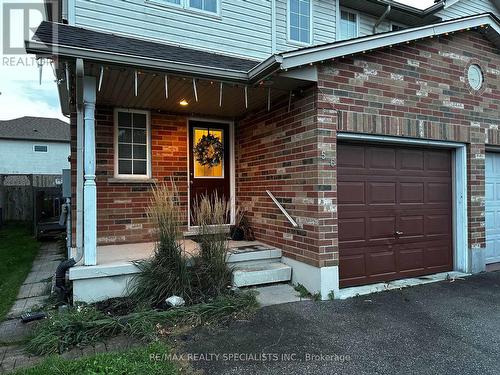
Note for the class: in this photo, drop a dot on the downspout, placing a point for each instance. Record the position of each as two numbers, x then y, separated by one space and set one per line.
382 18
273 27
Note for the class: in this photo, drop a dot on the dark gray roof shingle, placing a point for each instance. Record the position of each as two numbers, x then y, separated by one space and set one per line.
64 35
35 128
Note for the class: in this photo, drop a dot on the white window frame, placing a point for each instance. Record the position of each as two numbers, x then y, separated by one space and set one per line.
289 24
148 174
185 6
39 145
339 19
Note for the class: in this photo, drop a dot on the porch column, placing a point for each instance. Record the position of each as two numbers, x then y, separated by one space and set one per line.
89 186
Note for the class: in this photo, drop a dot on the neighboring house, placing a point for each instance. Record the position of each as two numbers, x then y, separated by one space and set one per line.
375 146
34 145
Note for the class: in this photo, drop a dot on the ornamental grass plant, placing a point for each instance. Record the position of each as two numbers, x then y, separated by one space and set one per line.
211 214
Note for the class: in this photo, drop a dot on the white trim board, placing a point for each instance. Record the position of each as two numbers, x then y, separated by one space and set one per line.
304 56
461 257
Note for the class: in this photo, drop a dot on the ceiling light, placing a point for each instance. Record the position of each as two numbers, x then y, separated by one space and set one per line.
183 102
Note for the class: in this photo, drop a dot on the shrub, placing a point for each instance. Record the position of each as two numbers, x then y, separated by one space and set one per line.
166 273
85 325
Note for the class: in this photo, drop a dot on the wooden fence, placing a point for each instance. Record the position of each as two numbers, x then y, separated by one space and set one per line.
19 194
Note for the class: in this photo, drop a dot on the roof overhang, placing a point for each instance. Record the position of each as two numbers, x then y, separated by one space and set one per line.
311 55
399 12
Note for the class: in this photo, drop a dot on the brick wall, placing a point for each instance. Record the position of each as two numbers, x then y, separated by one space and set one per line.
278 150
419 90
122 206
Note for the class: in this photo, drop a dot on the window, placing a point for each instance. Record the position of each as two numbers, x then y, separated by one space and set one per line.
132 144
201 171
348 25
396 27
205 5
40 148
299 13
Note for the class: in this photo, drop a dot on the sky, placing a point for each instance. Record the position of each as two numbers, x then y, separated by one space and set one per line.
21 94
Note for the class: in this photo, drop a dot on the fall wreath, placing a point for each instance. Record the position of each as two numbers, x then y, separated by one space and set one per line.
209 150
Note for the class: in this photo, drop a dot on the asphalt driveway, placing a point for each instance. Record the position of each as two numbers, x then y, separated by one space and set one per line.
441 328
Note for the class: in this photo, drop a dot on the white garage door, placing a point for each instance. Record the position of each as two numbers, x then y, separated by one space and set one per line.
492 207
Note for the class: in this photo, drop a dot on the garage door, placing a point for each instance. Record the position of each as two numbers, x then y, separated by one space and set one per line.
492 208
395 212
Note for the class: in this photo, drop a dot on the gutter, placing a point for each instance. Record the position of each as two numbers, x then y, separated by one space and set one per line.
382 18
258 72
37 47
296 58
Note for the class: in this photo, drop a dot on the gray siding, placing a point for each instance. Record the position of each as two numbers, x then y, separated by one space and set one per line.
467 8
244 27
366 23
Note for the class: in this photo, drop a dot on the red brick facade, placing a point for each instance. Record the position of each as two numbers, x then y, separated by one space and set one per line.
122 206
416 90
419 90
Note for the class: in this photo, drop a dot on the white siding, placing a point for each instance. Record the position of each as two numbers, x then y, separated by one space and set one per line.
18 157
243 28
464 8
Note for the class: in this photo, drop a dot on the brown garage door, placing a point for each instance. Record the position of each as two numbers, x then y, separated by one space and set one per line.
395 212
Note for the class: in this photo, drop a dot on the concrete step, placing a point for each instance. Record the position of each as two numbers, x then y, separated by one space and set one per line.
267 273
252 255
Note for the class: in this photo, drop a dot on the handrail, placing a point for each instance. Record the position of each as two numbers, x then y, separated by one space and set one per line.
287 215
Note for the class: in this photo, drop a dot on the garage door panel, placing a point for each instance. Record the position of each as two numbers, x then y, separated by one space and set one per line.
436 256
351 192
381 193
408 191
438 192
411 192
438 224
381 263
352 157
411 259
381 158
437 161
352 229
411 225
354 266
381 227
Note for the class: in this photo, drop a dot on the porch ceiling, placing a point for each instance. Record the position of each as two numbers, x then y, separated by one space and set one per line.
118 90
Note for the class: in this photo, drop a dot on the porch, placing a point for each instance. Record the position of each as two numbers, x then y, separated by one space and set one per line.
253 263
139 110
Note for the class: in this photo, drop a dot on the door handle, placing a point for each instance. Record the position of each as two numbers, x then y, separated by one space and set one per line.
399 233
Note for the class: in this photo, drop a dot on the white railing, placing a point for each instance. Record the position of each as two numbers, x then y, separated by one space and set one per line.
287 215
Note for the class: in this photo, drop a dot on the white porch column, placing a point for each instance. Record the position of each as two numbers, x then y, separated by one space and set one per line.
89 186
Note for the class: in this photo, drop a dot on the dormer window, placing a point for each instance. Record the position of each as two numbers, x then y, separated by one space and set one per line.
348 25
299 16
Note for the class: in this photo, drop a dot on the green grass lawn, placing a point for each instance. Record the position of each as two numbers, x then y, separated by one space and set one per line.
17 250
134 361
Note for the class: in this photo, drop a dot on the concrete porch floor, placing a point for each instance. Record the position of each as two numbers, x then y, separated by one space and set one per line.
126 253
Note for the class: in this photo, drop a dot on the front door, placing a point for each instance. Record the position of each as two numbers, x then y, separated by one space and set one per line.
206 179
